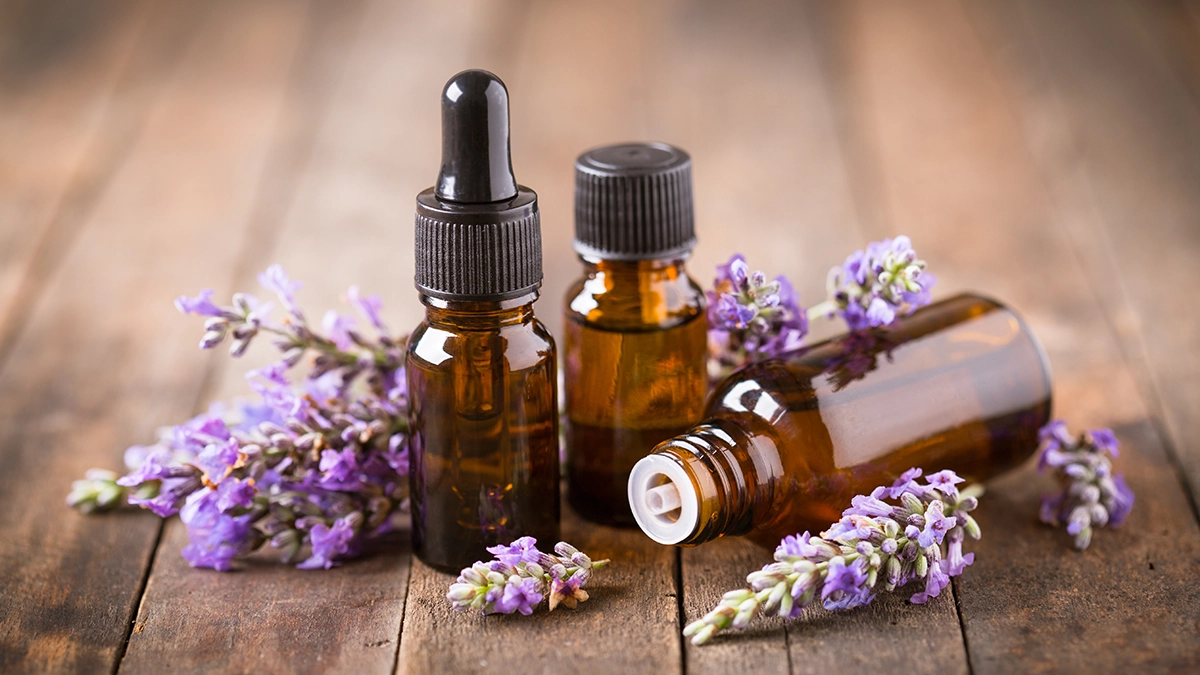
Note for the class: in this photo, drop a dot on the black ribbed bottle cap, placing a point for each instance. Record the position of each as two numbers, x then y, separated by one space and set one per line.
633 201
478 233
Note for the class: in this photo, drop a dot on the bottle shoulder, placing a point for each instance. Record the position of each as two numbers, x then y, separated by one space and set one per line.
522 346
627 304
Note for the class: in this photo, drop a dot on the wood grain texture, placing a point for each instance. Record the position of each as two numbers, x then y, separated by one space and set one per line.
347 620
929 111
76 82
121 361
1116 124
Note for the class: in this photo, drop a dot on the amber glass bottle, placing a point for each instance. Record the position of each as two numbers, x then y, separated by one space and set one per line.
787 442
482 378
634 349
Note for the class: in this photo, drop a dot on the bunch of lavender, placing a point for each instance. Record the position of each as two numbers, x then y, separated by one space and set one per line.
521 576
1091 495
316 469
752 318
894 536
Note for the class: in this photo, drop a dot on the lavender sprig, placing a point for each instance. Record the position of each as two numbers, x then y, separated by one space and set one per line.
521 576
1092 496
317 469
873 286
751 318
894 536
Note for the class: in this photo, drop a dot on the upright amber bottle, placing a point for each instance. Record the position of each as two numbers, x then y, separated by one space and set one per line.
787 442
482 379
634 351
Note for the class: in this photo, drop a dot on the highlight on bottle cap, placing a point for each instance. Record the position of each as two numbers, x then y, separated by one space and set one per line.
663 499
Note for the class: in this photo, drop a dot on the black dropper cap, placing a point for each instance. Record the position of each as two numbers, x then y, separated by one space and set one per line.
478 232
633 201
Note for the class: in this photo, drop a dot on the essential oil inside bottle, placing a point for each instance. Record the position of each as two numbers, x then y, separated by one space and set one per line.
635 343
481 369
787 442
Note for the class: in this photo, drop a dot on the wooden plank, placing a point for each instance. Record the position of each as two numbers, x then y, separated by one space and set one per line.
927 109
565 98
76 80
104 358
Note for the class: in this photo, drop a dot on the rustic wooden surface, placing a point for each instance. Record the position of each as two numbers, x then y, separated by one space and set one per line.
1047 153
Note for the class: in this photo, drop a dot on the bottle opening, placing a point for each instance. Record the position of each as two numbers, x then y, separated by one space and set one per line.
663 499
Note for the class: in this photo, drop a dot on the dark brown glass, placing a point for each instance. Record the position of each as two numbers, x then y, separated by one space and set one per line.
787 442
634 359
483 418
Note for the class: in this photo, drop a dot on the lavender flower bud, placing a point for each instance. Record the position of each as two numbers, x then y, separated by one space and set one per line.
921 566
238 347
565 550
893 571
211 339
241 304
972 528
292 356
912 503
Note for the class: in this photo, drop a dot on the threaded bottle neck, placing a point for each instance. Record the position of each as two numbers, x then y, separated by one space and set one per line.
704 484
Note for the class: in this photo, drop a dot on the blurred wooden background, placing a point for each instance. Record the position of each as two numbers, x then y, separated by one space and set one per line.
1046 153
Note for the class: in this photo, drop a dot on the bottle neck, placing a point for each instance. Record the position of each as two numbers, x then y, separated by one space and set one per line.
716 480
658 270
478 314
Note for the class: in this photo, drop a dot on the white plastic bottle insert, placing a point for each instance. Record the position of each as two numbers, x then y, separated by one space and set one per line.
663 499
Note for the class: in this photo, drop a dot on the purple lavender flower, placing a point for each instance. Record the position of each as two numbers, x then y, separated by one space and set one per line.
215 538
201 305
368 307
317 465
863 505
521 577
873 543
339 328
936 525
845 585
521 550
330 543
872 287
569 592
235 493
750 317
520 595
339 466
907 482
1091 495
151 469
936 579
274 279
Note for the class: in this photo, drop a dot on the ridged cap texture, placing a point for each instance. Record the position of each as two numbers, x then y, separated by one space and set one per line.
633 201
472 252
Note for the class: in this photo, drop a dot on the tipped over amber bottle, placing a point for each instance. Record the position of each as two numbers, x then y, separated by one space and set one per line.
482 378
788 441
635 332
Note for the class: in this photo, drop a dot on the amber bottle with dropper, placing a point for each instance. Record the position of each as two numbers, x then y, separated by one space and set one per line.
481 369
787 442
635 338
